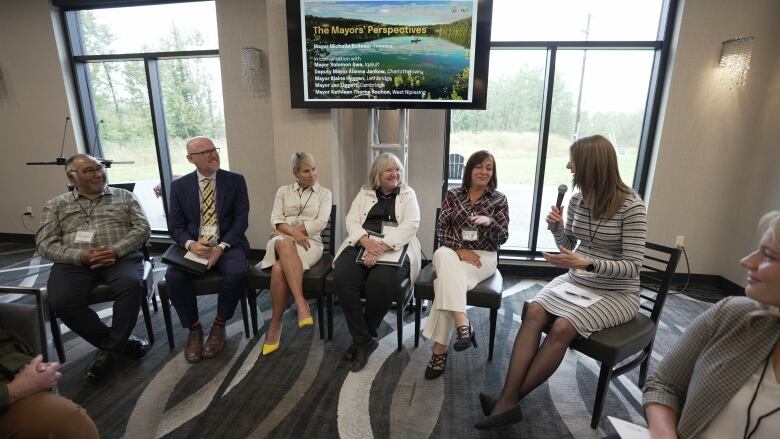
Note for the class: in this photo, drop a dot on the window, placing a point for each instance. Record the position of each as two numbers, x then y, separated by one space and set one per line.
560 70
144 93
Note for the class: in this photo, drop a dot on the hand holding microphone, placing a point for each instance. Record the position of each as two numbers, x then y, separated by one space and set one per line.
555 217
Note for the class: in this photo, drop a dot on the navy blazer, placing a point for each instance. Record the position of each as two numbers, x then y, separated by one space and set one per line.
232 209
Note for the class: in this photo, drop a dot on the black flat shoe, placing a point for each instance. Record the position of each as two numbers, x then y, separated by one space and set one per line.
362 352
350 354
99 367
136 347
436 366
466 338
487 403
509 417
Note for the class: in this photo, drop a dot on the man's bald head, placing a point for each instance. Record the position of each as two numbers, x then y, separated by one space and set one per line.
202 153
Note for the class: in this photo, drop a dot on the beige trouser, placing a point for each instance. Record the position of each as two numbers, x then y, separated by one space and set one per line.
453 279
46 415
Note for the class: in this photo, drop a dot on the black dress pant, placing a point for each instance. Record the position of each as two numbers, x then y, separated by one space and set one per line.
380 284
69 287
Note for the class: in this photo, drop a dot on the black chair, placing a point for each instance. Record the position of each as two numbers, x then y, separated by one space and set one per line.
102 293
203 285
612 346
402 298
487 294
313 280
25 319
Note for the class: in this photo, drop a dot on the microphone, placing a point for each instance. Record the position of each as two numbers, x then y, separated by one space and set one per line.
561 192
60 159
97 133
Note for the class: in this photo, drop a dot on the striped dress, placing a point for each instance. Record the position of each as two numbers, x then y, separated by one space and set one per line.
616 247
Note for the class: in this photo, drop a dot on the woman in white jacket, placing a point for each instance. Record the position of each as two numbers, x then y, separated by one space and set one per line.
381 225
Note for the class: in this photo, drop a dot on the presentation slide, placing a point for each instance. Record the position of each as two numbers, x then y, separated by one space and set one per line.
388 50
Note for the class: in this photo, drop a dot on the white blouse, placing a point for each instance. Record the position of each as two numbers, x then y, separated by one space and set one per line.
294 205
730 422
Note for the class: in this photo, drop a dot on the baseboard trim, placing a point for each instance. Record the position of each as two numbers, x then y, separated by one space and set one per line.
728 287
22 238
160 243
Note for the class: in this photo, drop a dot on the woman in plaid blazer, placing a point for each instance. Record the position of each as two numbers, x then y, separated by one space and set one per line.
721 377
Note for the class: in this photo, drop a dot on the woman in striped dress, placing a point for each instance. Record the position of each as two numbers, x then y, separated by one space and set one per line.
609 221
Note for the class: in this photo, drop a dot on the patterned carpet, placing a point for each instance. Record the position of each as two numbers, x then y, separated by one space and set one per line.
306 390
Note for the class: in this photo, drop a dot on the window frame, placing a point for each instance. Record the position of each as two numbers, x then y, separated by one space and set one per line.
661 48
84 96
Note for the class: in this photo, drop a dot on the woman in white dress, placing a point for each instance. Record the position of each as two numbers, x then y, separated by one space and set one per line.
301 211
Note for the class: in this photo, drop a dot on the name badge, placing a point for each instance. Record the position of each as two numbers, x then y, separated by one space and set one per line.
84 236
469 233
388 227
208 231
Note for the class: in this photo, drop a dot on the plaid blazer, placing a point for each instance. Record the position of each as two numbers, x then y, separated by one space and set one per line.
715 356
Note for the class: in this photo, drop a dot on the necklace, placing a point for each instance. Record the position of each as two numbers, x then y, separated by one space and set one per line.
747 435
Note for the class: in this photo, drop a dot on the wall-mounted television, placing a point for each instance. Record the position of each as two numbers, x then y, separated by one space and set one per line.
389 53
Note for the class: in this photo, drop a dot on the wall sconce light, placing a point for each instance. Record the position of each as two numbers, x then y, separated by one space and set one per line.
252 70
735 61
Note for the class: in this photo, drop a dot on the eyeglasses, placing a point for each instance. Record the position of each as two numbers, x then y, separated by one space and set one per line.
90 172
206 153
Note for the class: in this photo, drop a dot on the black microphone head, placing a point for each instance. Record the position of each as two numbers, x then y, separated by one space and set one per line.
562 189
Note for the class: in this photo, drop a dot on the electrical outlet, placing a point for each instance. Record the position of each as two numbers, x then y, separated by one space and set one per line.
680 241
28 211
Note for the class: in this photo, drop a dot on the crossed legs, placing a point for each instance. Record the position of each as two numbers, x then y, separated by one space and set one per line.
531 364
286 280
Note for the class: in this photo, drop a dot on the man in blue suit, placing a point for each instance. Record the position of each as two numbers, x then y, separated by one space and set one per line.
208 216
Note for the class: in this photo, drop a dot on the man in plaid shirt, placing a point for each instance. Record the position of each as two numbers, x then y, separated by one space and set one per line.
93 234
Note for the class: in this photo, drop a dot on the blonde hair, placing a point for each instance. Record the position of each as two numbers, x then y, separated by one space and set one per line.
299 158
382 163
770 221
597 176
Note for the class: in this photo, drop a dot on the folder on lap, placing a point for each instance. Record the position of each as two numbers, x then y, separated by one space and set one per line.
392 257
180 258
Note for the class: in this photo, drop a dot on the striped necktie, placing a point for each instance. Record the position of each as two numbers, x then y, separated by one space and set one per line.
208 209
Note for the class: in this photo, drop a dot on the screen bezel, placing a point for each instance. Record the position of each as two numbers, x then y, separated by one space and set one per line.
479 86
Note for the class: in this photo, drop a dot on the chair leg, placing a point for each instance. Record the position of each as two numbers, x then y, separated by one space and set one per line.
154 300
417 309
645 366
605 376
56 336
320 316
147 317
399 322
493 318
329 299
245 314
251 296
166 308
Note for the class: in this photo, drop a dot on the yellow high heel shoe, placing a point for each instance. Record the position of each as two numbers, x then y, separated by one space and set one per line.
270 348
308 321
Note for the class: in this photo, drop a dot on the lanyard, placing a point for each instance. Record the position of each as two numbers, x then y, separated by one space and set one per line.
753 399
592 235
300 198
88 215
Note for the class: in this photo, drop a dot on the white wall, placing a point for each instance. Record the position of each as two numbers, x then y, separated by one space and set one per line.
717 156
33 113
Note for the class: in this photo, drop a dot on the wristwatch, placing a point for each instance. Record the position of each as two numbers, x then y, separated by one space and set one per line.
590 267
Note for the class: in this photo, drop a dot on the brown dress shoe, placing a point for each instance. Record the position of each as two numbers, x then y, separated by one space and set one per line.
194 349
215 342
